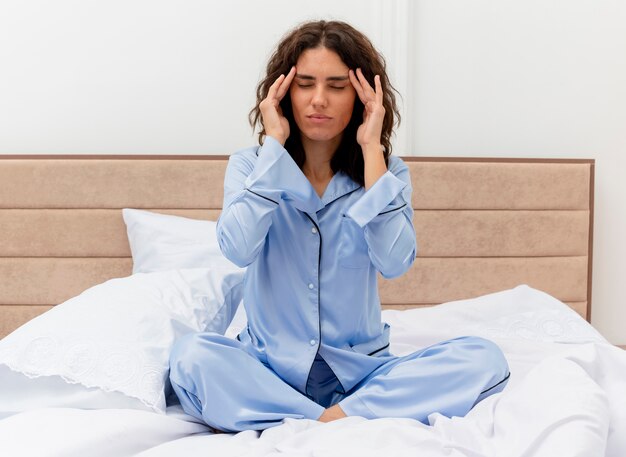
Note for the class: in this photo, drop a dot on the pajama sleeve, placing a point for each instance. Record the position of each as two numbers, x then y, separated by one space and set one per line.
385 213
254 186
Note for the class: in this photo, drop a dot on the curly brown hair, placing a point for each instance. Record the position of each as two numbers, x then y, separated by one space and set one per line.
356 51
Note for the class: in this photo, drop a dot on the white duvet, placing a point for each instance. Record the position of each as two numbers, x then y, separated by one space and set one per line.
566 397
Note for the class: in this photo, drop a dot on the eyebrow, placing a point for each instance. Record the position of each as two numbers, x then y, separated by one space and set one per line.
330 78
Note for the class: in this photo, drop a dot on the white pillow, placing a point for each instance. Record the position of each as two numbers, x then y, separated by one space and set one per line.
109 346
164 242
522 313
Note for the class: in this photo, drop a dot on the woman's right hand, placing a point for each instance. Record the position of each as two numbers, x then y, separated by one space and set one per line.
276 125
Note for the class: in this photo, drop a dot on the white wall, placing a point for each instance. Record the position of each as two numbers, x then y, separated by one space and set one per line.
140 76
501 78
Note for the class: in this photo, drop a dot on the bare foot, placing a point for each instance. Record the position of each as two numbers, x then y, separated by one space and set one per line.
332 413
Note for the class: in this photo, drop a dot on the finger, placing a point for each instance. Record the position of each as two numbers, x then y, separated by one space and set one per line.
271 92
379 89
357 86
284 86
367 89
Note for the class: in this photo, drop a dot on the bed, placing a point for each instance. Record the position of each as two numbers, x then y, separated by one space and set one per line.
117 243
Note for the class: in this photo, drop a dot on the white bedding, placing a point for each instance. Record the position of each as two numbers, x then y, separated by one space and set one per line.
566 397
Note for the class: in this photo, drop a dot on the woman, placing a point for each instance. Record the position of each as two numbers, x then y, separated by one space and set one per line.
314 213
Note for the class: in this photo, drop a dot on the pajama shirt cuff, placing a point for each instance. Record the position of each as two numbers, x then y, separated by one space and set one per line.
277 177
354 406
376 199
310 409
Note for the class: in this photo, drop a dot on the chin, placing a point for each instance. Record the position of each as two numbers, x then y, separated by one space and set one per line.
320 135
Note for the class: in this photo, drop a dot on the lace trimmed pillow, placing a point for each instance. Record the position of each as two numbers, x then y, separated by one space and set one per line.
109 346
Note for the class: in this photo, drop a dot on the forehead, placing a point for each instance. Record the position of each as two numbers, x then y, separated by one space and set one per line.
321 62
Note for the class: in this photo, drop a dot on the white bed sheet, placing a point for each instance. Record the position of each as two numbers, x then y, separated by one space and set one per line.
566 397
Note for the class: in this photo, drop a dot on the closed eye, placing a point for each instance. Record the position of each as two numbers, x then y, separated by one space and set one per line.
305 86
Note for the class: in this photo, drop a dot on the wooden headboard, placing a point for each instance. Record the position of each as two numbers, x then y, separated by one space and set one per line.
482 225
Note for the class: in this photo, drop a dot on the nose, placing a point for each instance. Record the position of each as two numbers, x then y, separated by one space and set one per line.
319 97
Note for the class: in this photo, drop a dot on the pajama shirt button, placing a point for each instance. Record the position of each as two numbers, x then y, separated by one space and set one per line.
311 286
313 230
313 342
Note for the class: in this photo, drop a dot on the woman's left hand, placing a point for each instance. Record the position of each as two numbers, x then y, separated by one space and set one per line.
369 132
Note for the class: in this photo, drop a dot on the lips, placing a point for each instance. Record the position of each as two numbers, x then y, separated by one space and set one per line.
319 119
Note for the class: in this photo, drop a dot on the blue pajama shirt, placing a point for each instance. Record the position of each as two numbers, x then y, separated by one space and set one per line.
315 336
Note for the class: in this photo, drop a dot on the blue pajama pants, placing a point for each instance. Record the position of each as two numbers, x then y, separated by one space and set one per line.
220 383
